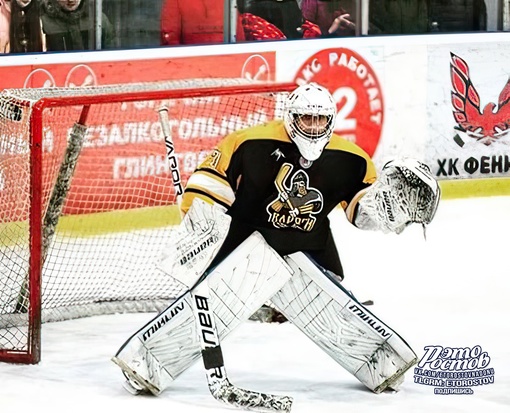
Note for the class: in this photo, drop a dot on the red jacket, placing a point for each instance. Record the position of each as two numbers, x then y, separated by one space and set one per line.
193 22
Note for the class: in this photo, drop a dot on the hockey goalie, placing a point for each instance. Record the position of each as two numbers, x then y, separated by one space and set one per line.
256 231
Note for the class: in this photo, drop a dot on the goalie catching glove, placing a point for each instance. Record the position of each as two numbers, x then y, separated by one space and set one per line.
405 193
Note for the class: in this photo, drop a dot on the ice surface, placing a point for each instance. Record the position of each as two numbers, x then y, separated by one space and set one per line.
451 290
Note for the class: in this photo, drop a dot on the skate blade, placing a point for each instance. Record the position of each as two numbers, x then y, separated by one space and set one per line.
393 383
146 387
131 389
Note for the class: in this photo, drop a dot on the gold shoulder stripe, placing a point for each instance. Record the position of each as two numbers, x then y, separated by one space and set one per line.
212 195
274 130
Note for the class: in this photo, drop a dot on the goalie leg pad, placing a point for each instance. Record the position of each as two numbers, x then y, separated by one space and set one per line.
167 345
331 317
161 349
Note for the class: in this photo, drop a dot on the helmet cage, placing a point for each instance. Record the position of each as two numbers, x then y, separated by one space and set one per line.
314 128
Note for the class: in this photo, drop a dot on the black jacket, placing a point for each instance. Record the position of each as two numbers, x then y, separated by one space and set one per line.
72 30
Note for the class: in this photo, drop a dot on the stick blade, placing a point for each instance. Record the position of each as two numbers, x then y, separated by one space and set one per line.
225 392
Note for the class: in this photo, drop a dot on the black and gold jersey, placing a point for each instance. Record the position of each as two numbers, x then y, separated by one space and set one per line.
259 176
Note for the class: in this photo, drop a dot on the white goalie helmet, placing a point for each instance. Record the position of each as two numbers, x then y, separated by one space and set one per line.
309 119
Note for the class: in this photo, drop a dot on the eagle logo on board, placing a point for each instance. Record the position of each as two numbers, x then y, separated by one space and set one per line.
487 125
297 203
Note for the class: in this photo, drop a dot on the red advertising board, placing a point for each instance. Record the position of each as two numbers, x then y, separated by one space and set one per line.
246 65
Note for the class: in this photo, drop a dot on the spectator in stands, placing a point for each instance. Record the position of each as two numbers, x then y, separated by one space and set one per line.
275 20
185 22
5 21
334 17
25 31
68 25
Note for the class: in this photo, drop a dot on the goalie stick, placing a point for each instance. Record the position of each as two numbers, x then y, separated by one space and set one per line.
170 152
219 385
212 356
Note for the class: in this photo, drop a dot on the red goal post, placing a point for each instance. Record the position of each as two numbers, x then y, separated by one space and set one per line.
86 195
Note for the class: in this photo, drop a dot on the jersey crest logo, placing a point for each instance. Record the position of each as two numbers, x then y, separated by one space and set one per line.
297 203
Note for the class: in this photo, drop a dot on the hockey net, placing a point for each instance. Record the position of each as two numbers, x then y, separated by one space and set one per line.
86 195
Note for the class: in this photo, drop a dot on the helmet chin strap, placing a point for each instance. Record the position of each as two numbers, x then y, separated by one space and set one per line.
305 163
